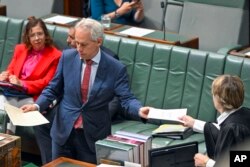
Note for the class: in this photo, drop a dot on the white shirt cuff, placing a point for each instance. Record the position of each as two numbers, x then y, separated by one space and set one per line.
37 106
210 163
199 126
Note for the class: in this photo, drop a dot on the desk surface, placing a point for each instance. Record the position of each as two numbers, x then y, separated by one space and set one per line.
155 36
65 162
158 36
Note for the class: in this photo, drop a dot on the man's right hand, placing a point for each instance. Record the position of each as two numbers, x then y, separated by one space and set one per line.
29 107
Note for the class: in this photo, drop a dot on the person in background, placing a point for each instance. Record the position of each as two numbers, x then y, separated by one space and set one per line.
84 118
129 12
33 65
233 125
71 37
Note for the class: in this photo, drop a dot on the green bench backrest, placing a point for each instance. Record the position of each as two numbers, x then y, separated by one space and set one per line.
10 35
165 76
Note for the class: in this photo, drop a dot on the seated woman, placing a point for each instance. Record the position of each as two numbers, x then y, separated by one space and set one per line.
233 125
33 64
130 12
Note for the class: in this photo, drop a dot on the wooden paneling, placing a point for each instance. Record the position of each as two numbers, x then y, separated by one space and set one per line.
73 7
2 10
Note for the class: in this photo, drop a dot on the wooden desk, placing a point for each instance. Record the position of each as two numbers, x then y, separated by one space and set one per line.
3 10
157 36
10 150
243 52
63 161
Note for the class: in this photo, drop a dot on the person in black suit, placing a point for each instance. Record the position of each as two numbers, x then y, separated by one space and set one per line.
233 125
79 142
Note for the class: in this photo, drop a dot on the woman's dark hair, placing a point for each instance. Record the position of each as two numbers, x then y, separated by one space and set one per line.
32 22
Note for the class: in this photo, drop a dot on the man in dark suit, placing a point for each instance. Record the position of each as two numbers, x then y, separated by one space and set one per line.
108 78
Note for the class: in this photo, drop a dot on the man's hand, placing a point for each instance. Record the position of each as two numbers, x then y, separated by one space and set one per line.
29 107
143 112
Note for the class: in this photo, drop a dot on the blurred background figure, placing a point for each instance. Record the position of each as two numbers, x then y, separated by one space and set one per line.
130 12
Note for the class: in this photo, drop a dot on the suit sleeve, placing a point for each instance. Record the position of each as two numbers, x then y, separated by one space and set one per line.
128 100
53 90
229 136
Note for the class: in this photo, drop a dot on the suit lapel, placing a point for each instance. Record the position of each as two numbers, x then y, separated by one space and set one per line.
77 69
99 79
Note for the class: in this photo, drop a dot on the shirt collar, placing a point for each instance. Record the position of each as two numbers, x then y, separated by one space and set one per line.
96 59
224 116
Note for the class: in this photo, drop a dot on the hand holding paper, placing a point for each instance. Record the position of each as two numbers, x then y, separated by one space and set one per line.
18 117
170 114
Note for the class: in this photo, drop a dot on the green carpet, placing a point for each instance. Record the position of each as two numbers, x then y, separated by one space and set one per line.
28 164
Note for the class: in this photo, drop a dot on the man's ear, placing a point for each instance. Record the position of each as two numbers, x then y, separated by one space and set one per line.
99 41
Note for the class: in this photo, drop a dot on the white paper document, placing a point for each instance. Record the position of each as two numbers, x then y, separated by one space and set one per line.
2 138
167 114
126 164
247 53
18 117
107 165
60 19
138 32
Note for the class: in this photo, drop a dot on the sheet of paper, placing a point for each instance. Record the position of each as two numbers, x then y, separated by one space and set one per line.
247 53
106 165
167 114
2 138
135 31
60 19
18 117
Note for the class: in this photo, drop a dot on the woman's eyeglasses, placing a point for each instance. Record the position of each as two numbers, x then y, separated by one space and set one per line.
36 35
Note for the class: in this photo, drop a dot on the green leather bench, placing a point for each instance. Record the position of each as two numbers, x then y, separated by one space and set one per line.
160 75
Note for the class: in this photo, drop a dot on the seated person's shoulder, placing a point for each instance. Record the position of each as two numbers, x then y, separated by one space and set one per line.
109 52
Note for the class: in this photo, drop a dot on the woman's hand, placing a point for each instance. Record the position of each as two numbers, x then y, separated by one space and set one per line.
200 160
187 121
14 80
125 8
137 4
4 76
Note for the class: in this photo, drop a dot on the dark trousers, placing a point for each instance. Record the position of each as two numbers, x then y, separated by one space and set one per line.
42 134
211 134
76 147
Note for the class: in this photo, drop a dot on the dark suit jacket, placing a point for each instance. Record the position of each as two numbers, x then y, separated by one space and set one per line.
234 130
111 80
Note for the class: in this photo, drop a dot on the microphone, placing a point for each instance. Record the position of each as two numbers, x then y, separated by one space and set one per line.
164 9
